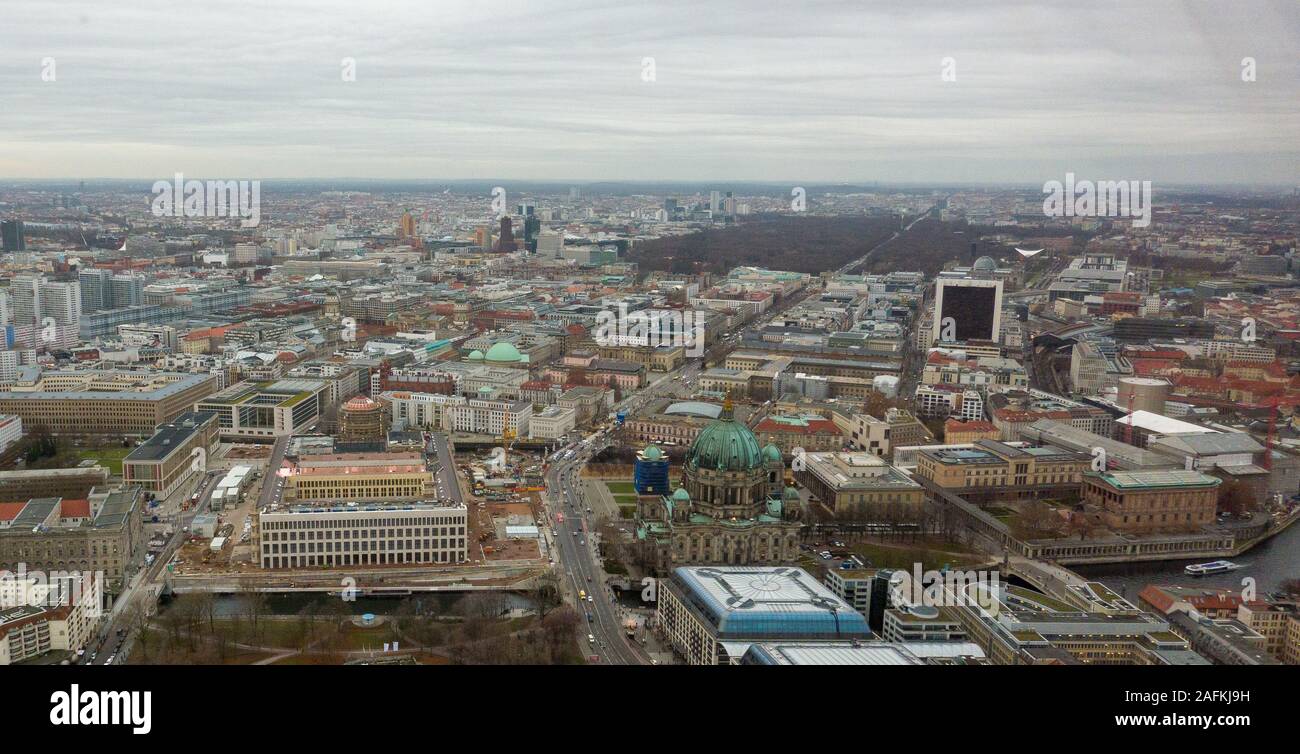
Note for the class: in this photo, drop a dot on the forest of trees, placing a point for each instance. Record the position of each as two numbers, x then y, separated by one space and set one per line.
784 242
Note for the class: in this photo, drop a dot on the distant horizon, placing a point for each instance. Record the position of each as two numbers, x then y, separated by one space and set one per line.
991 93
707 184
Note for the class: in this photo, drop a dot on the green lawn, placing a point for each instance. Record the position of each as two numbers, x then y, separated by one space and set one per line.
110 458
620 488
906 557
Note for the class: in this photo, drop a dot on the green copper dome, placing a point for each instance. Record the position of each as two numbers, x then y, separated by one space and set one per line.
681 496
653 453
503 352
475 355
771 452
726 445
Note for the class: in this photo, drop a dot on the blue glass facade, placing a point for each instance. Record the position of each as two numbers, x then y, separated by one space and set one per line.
752 602
651 477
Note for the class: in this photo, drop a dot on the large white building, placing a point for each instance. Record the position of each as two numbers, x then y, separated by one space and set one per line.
552 423
423 410
491 417
363 534
711 615
260 410
53 612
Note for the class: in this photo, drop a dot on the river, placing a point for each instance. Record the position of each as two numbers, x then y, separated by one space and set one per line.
1269 564
434 603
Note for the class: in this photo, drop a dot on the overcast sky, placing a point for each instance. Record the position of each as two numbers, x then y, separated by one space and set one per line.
742 89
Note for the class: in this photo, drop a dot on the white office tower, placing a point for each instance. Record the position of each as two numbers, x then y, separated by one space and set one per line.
549 244
10 361
246 253
62 302
26 293
715 201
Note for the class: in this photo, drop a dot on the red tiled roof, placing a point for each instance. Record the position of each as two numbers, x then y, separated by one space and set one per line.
814 426
74 508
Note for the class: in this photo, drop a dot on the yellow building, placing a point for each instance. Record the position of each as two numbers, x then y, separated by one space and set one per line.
998 466
1150 501
354 476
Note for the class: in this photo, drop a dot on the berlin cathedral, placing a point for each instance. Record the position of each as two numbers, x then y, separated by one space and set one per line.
731 508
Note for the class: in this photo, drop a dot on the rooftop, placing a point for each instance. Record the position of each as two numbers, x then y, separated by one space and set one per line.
1155 479
768 601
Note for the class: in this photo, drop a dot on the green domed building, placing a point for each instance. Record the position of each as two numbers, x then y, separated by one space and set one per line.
730 507
503 353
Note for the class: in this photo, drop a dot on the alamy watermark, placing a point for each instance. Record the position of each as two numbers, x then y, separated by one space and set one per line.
52 589
653 328
1099 199
77 707
240 200
947 588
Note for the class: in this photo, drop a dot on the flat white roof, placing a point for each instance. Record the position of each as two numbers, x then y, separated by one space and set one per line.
1153 422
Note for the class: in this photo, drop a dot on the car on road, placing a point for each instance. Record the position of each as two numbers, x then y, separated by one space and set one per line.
591 598
591 639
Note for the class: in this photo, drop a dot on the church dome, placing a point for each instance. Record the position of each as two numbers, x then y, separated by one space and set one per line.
653 453
681 496
360 403
726 445
475 355
771 453
504 353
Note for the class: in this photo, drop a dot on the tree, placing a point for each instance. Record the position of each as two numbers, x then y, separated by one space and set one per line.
138 625
546 592
877 403
1039 521
253 606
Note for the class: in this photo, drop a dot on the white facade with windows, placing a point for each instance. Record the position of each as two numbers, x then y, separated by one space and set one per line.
362 535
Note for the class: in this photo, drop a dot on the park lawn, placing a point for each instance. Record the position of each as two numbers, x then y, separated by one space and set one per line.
621 488
110 458
882 556
357 638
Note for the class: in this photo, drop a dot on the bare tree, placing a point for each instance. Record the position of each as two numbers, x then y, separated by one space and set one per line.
546 592
253 606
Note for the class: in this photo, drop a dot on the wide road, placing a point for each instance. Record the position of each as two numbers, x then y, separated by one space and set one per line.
272 482
439 448
122 618
867 257
579 564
